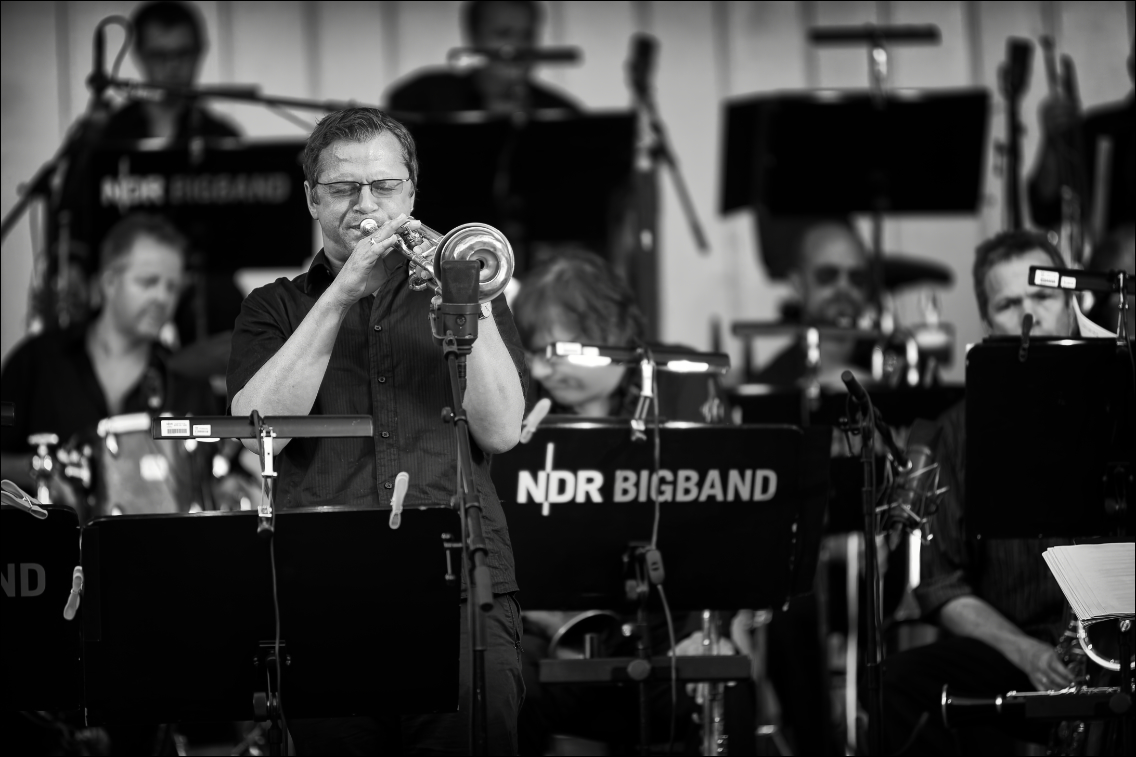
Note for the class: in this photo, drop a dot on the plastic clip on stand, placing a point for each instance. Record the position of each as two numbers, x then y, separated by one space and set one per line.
264 436
401 482
456 319
646 397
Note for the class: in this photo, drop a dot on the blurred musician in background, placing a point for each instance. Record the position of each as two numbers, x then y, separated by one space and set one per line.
832 278
1116 253
169 43
64 382
496 87
996 600
578 297
1061 118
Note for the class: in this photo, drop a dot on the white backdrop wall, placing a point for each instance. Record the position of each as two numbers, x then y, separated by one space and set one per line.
709 51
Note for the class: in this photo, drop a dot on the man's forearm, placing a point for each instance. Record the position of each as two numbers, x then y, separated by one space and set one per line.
974 618
494 401
288 383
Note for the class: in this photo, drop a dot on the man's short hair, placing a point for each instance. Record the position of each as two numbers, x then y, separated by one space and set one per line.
583 293
1008 245
357 125
121 238
168 13
473 13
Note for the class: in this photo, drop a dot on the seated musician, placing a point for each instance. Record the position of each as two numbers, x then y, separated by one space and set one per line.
64 382
169 43
578 297
832 278
498 86
996 602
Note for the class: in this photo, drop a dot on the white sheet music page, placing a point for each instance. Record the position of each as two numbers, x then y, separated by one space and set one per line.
1099 580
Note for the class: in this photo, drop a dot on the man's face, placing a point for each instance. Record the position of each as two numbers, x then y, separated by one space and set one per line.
168 54
568 383
1010 296
362 162
506 25
142 288
834 277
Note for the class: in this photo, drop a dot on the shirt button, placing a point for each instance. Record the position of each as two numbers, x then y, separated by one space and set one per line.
378 328
387 485
386 435
382 380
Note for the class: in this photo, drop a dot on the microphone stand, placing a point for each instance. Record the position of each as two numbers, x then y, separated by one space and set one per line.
458 333
661 151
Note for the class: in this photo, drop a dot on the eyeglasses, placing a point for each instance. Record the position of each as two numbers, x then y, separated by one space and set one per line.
171 57
827 275
379 187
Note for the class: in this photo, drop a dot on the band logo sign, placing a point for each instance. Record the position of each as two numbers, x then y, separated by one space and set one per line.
559 486
128 190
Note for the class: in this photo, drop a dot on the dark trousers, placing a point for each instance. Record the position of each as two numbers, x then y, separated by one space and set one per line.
445 733
913 684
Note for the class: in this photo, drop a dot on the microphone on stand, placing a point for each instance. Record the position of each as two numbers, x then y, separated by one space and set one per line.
1027 326
641 66
918 486
860 394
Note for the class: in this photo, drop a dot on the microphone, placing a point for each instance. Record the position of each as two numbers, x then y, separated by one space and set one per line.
1027 325
401 482
918 486
641 66
13 495
461 280
856 389
528 427
72 605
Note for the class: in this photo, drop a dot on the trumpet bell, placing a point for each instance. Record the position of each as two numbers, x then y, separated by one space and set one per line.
471 241
486 245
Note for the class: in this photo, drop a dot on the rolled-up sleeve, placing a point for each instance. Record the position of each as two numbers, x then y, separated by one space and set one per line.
260 331
946 563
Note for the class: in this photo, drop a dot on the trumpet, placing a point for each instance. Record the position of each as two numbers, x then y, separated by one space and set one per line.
471 241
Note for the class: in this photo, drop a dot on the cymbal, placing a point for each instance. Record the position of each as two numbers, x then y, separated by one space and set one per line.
904 270
204 358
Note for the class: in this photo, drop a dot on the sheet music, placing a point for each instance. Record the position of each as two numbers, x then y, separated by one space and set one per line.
1097 579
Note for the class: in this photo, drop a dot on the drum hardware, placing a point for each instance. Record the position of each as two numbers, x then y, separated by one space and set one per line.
714 738
43 463
594 631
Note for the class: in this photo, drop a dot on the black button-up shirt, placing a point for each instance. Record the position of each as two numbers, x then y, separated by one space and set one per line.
385 364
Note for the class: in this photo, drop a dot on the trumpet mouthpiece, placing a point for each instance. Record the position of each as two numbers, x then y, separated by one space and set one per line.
368 226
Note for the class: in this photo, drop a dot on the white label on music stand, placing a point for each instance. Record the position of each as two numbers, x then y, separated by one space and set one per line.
1046 278
1068 282
175 428
202 429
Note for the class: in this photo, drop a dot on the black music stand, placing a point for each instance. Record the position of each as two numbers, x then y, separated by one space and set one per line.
41 650
520 175
1050 438
178 615
851 151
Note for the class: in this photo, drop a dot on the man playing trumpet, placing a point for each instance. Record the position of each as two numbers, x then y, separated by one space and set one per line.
350 337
